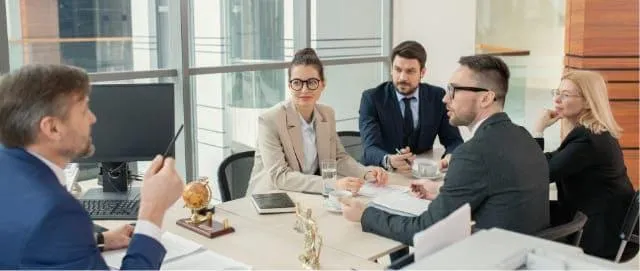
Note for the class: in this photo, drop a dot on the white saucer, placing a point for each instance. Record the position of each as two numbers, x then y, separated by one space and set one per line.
332 208
440 175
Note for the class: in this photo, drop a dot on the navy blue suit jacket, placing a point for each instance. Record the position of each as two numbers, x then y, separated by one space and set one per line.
381 122
44 227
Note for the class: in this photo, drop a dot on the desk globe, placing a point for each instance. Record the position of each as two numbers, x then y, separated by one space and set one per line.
196 196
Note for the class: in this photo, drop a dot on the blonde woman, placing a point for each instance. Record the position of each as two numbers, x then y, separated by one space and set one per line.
588 167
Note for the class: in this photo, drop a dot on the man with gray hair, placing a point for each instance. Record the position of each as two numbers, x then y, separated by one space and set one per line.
500 171
45 122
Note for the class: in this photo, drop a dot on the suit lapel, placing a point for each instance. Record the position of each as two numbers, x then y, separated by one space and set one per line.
423 116
295 132
323 136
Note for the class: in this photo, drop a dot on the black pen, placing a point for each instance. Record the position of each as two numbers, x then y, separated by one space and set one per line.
173 141
400 153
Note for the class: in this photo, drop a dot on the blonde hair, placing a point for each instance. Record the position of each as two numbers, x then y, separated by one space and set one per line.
597 117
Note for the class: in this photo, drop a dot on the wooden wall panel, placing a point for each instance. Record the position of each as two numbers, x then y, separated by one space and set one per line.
579 62
631 160
603 36
623 91
574 27
626 114
611 28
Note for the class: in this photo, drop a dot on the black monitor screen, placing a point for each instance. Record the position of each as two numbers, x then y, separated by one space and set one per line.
135 122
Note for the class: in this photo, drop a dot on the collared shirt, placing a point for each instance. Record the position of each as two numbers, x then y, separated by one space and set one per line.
414 105
142 226
310 163
475 127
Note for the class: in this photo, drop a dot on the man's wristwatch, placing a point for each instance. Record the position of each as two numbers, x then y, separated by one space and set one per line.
100 240
387 163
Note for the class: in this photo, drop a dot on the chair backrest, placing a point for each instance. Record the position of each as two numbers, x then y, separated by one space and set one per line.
352 143
234 174
630 219
627 231
573 227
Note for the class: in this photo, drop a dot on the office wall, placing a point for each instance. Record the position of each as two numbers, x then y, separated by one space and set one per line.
342 29
447 29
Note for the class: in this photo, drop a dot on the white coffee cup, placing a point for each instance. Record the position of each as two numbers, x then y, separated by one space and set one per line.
335 196
428 170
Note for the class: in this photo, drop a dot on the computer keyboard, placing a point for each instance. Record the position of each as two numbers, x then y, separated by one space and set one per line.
111 209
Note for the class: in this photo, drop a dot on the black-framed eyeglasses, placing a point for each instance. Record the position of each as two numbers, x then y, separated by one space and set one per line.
451 90
298 84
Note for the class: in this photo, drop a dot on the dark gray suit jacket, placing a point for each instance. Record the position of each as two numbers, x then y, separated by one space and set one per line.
501 172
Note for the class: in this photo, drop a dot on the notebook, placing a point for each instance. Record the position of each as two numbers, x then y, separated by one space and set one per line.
400 204
273 203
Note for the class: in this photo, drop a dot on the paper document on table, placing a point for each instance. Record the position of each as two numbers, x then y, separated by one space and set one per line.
371 190
401 204
175 245
205 260
445 232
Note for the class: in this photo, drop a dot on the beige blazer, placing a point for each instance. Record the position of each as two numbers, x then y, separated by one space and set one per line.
279 151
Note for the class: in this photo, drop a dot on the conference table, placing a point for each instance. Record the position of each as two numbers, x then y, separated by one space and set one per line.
270 241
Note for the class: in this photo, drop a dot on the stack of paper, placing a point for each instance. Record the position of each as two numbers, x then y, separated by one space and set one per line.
371 190
205 260
176 247
181 254
451 229
400 204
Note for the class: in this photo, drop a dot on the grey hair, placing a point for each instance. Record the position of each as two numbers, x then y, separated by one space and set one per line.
33 92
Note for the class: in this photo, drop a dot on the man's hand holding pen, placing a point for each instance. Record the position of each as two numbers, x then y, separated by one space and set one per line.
402 162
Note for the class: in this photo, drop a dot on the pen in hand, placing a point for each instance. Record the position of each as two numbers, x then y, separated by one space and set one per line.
172 142
400 153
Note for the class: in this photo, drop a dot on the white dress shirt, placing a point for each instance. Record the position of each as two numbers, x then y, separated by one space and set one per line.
475 127
142 226
310 163
415 103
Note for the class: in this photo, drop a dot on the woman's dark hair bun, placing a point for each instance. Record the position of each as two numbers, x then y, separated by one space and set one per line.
307 57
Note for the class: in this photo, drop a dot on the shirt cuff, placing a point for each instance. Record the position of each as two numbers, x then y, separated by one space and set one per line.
149 229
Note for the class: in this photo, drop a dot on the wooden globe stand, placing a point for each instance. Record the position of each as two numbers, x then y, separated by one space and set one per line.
208 228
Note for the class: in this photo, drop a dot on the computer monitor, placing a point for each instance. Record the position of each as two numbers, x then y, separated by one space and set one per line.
135 122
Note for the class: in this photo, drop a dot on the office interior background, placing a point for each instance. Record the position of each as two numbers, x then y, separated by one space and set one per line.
228 58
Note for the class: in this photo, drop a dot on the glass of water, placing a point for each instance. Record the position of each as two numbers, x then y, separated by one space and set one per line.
329 170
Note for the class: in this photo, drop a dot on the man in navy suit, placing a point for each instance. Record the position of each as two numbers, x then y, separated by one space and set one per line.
45 122
405 114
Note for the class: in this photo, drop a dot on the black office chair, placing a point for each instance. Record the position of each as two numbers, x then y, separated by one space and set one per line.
573 227
234 174
629 223
352 143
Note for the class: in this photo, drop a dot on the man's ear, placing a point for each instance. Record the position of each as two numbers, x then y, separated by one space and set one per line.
489 98
49 128
423 72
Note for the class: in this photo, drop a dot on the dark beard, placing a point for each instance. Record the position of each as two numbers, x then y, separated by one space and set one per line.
413 90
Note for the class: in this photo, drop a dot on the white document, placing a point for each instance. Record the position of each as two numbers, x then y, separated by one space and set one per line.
175 245
401 204
451 229
205 260
370 190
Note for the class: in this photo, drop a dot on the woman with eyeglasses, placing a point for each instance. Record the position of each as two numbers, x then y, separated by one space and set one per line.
588 167
294 136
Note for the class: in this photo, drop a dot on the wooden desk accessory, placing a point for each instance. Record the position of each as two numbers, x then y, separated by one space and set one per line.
209 228
196 196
